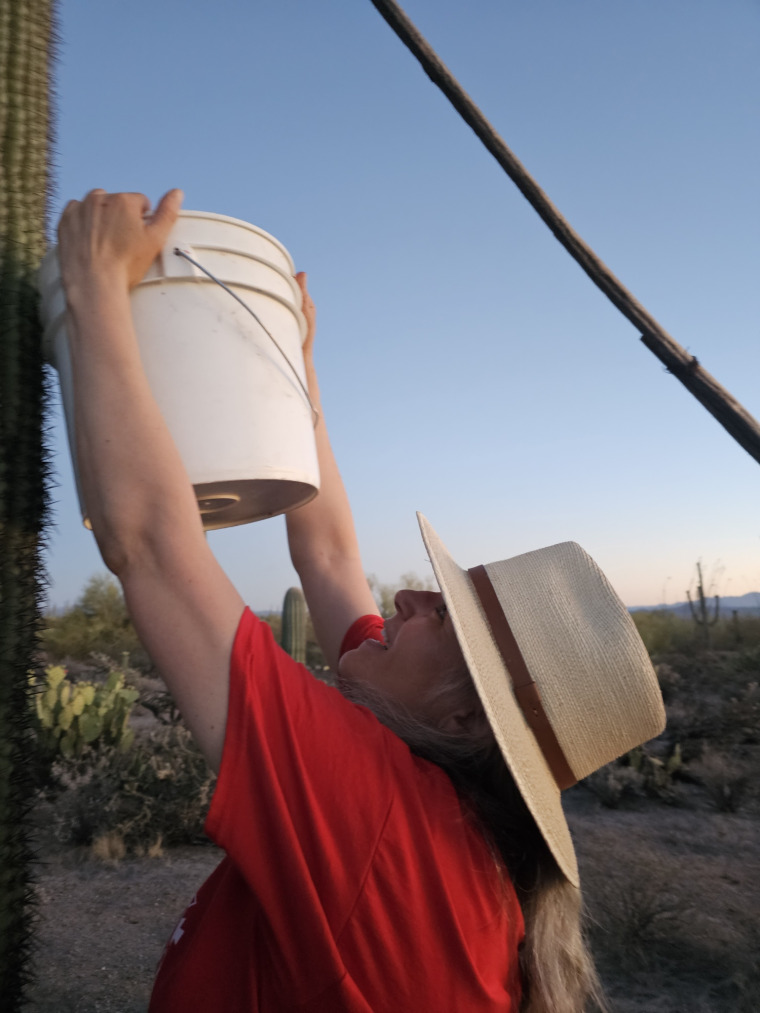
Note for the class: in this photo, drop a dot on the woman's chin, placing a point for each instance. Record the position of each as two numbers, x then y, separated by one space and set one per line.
351 664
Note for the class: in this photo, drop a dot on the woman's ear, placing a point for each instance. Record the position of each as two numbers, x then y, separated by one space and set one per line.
471 722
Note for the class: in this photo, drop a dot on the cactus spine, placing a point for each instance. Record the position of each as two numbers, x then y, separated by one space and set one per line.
294 624
26 43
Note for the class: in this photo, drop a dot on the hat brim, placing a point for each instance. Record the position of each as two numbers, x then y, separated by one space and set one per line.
519 748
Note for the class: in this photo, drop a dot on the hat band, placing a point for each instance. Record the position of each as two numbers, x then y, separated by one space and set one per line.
525 688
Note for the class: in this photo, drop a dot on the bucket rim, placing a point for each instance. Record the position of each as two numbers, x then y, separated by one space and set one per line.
212 216
218 248
51 252
49 281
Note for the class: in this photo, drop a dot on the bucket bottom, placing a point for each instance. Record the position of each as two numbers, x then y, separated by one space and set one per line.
226 504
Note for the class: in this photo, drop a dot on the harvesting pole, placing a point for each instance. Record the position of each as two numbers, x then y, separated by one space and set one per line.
685 367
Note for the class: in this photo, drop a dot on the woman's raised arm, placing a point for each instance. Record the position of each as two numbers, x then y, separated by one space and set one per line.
138 495
321 534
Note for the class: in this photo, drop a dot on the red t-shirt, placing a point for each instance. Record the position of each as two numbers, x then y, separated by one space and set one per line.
352 881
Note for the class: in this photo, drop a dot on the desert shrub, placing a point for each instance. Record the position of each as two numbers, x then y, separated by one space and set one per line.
636 905
663 631
157 792
685 719
748 659
613 783
669 679
157 700
666 632
637 774
673 911
742 714
725 719
658 772
737 631
109 847
711 696
726 779
97 624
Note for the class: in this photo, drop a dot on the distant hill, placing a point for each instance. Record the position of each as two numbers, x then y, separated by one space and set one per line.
744 604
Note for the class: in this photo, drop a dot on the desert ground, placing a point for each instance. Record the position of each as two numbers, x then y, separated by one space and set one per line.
674 891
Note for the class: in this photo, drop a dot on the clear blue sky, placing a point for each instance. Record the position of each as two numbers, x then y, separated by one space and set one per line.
469 368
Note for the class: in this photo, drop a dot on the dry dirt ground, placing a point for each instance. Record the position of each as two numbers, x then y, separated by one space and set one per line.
682 884
103 926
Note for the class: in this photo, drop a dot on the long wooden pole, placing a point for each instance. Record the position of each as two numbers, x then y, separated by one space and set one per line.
715 398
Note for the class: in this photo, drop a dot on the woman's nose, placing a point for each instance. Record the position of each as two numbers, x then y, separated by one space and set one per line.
402 603
409 602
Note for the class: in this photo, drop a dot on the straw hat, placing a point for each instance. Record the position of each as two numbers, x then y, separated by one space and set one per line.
575 668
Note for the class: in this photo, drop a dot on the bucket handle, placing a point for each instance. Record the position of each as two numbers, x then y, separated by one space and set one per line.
183 253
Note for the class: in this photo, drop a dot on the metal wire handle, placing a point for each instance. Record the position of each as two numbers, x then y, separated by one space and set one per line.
182 253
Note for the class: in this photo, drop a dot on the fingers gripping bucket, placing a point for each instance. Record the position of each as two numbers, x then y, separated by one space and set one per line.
233 396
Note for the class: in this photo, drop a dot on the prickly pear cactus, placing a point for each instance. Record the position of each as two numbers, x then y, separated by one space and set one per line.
294 624
72 715
26 43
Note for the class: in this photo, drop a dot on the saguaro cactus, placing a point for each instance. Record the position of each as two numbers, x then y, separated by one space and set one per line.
26 43
294 624
700 609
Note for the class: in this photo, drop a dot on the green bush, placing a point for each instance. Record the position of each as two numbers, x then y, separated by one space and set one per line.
726 778
737 632
638 913
665 632
97 624
613 783
637 774
711 695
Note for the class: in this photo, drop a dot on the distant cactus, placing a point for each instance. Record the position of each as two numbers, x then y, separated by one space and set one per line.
657 774
72 715
700 609
674 762
294 624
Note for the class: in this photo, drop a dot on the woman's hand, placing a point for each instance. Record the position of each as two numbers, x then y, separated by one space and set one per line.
113 237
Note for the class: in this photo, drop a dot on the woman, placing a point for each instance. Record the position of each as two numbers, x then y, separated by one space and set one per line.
409 854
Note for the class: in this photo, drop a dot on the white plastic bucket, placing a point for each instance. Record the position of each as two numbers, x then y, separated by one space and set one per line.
235 405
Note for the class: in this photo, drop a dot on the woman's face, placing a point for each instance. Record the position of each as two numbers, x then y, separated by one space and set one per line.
420 649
